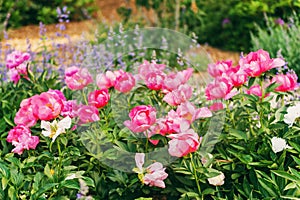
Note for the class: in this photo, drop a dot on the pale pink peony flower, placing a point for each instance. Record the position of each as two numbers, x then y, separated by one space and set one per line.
256 90
175 123
47 105
181 144
256 63
160 127
20 136
16 58
182 94
99 98
141 118
286 82
106 80
153 175
125 82
77 78
146 68
155 80
188 111
173 80
217 180
87 114
14 75
219 68
220 88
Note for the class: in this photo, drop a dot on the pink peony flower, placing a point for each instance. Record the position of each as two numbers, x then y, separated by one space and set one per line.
14 75
219 68
125 82
183 143
237 76
77 78
25 115
256 63
287 82
216 106
174 80
178 96
220 88
188 111
142 117
69 109
256 90
87 114
106 80
160 127
99 98
155 80
146 68
47 105
16 58
175 123
153 175
20 137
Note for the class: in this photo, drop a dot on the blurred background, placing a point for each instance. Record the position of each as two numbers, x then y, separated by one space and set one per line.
232 25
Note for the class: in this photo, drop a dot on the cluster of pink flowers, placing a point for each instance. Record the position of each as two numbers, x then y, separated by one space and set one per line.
122 81
255 64
16 65
176 124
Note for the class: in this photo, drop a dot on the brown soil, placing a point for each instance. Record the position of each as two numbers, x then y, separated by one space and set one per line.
107 14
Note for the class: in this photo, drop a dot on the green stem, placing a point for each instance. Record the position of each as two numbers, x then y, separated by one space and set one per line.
195 174
84 97
60 158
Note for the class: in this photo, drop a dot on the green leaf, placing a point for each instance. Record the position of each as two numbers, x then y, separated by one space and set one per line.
7 120
241 135
268 187
12 193
43 189
286 175
71 184
251 81
47 171
4 182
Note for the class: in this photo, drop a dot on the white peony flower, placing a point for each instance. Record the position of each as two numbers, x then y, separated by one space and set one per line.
54 129
217 180
293 112
279 144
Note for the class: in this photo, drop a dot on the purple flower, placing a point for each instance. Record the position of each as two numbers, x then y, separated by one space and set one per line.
225 21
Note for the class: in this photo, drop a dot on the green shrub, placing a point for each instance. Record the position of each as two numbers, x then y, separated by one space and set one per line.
280 39
24 12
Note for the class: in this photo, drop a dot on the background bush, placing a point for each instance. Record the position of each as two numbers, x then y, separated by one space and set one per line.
24 12
282 40
224 24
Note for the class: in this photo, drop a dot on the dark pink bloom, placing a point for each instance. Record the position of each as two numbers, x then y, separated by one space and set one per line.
99 98
182 94
181 144
77 78
25 115
20 137
16 58
237 76
155 80
146 68
47 105
125 82
175 123
220 88
286 82
216 106
87 114
141 118
16 73
160 127
256 63
69 109
219 68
